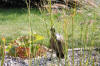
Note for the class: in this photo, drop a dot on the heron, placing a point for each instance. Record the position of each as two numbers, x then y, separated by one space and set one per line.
57 43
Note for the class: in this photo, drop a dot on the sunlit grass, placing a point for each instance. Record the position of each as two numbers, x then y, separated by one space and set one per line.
80 30
14 23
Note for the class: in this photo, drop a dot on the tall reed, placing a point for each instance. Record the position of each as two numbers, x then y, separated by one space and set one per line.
30 27
3 54
65 30
74 13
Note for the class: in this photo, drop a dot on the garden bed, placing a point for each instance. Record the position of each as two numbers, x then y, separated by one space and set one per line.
81 57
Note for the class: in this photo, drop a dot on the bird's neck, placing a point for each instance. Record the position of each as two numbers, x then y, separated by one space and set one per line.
53 35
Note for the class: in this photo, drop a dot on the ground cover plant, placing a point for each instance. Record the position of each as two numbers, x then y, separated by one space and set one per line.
21 29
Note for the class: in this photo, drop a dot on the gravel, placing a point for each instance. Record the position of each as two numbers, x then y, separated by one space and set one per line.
79 58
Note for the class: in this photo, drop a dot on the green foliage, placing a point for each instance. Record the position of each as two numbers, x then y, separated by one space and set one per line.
19 3
24 41
1 51
34 49
12 51
16 22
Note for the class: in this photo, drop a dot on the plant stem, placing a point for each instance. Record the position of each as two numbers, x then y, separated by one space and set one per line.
29 14
3 55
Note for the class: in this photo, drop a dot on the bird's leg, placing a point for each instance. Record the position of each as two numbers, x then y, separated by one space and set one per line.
58 55
58 61
51 55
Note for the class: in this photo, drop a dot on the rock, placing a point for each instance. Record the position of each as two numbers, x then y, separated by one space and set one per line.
79 56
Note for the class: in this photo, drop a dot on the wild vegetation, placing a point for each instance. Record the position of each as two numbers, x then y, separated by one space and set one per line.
25 31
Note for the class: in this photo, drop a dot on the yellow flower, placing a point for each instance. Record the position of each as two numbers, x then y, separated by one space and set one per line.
38 37
3 39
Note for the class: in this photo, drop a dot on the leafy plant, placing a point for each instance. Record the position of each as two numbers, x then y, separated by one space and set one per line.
22 52
12 51
20 46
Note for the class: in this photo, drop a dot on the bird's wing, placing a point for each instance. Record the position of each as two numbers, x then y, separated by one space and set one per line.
59 37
